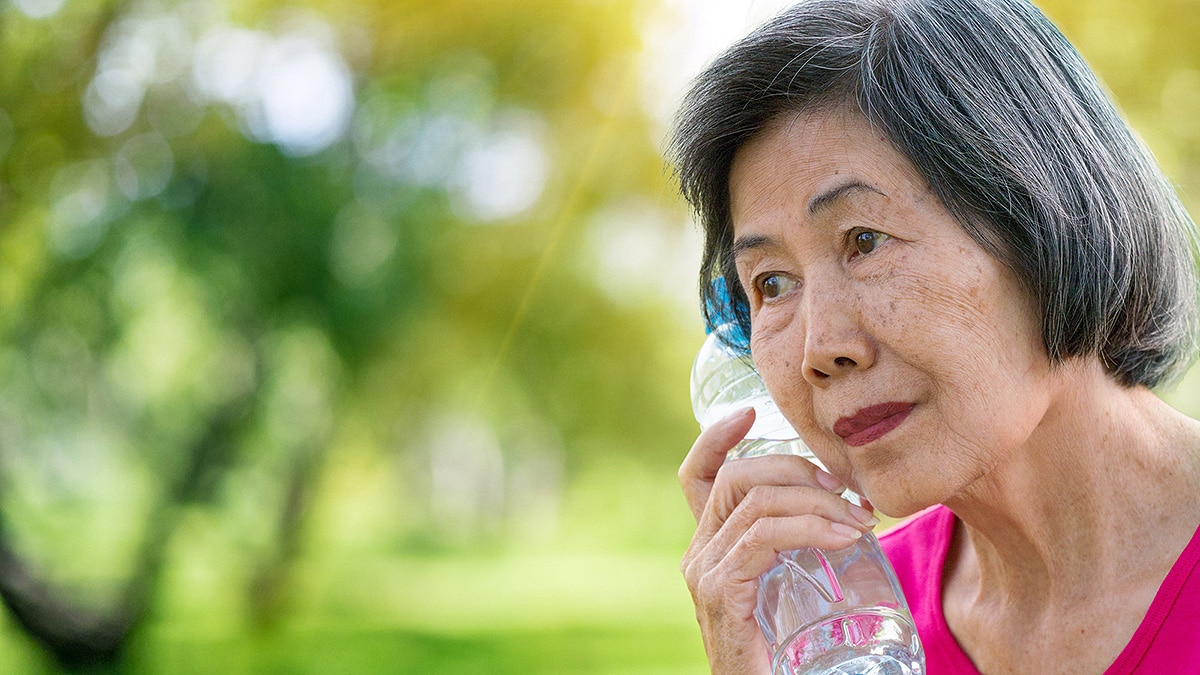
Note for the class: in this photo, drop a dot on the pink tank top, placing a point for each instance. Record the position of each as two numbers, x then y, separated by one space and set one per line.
1167 641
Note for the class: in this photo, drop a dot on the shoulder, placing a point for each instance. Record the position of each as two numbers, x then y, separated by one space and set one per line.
1165 641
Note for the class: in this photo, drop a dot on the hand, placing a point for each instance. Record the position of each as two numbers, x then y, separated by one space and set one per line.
747 512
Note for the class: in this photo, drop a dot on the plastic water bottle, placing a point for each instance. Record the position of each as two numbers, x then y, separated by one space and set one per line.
822 612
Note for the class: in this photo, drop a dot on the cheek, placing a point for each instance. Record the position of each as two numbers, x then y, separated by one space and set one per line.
976 312
988 367
778 353
774 344
778 361
779 357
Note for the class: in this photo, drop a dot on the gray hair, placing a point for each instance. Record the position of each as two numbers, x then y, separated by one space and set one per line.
1013 132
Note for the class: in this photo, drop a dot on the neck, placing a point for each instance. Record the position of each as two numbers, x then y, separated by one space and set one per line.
1102 486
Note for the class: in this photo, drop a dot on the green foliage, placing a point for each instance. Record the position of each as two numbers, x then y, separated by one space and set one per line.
205 318
391 376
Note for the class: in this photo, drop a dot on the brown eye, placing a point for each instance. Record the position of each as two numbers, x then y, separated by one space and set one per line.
867 240
775 285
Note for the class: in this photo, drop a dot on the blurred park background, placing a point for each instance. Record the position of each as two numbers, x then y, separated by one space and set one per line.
354 336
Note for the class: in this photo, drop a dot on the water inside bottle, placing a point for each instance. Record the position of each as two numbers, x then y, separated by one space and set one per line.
821 609
872 664
870 641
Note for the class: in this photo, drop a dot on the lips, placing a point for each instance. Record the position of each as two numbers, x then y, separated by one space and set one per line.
872 422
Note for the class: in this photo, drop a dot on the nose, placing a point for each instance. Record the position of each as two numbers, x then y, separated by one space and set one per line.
835 340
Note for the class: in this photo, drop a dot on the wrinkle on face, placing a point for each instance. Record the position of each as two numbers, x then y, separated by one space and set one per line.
948 327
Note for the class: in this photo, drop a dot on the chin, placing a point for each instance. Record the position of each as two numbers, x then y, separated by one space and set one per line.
896 499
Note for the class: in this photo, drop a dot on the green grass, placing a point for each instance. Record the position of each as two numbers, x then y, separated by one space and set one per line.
581 649
529 613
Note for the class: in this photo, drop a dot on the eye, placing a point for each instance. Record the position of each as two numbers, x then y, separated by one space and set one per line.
773 285
866 241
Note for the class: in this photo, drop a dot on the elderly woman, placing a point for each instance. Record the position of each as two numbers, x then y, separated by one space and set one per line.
961 275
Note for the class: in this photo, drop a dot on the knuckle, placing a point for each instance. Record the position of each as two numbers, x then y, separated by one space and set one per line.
687 565
759 533
743 516
756 499
684 474
723 477
709 587
811 522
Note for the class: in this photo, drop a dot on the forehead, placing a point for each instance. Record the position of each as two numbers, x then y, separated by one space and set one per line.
800 162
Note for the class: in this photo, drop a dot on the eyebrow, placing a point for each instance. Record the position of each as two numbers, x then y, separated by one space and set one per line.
830 197
751 242
821 202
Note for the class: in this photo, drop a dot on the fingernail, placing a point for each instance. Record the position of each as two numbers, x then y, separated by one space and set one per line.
738 414
845 531
828 482
863 516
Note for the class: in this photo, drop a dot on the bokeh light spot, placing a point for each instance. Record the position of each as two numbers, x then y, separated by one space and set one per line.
292 91
362 244
82 198
112 101
143 166
306 96
39 9
503 174
223 66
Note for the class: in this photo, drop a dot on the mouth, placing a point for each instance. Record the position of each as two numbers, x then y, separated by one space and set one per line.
872 423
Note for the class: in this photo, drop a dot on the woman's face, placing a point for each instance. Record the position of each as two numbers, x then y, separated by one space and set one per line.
909 359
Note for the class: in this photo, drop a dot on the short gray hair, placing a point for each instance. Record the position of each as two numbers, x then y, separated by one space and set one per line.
1013 132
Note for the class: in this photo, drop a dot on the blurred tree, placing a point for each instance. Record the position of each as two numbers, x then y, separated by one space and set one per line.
232 227
246 245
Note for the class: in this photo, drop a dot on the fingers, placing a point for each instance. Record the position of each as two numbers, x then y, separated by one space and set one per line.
722 571
732 639
704 460
756 550
771 519
737 479
747 512
820 512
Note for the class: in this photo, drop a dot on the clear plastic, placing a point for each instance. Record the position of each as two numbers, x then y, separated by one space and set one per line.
821 612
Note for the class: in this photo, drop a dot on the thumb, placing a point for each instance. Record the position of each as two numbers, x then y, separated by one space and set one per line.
699 468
